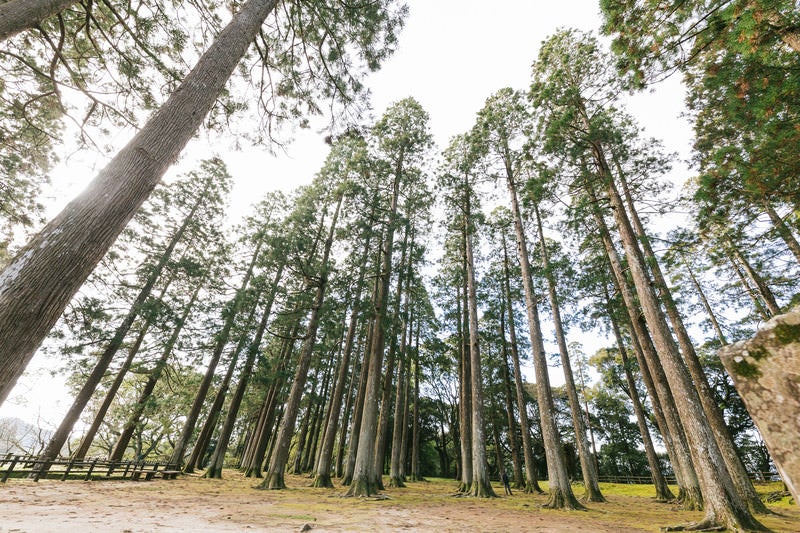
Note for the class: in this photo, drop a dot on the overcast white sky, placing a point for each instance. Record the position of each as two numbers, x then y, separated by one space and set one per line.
453 54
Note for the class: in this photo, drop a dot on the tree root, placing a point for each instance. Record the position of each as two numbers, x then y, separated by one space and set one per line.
705 525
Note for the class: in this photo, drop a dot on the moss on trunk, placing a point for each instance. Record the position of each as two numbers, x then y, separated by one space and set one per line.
482 490
561 499
361 488
322 481
273 481
532 487
396 482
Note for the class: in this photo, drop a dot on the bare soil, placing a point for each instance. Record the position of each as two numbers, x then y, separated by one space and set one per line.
233 505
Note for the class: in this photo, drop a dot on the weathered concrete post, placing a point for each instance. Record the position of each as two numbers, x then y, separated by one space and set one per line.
766 372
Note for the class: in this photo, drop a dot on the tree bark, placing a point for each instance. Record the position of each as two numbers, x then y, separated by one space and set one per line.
90 385
152 380
663 493
531 480
219 346
363 482
723 504
39 282
17 16
588 465
481 483
561 495
214 469
275 473
717 423
322 476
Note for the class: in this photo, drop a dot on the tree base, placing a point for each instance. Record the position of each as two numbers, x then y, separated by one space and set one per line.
347 481
532 487
396 482
361 488
481 490
663 494
273 481
253 472
563 499
213 473
691 499
593 494
322 481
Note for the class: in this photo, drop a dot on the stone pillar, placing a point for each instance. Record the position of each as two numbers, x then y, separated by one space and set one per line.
766 372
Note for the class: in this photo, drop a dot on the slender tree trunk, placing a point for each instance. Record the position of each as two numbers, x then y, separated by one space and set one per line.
465 392
260 442
197 455
111 393
588 465
416 475
19 15
219 346
352 390
706 305
751 291
519 481
654 377
152 381
322 476
274 478
531 481
395 470
783 230
561 495
761 285
715 419
363 482
663 493
216 464
358 410
723 504
85 394
40 281
481 482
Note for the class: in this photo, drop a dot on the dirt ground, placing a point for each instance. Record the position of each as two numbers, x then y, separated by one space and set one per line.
232 505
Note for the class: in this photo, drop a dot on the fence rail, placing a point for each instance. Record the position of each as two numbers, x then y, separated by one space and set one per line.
63 468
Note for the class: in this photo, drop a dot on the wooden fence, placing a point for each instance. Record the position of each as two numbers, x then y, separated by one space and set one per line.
36 468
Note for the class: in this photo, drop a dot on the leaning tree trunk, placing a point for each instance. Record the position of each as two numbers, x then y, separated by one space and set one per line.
531 481
783 230
663 493
723 505
653 374
561 495
717 423
90 385
253 468
197 455
275 472
42 278
591 481
219 345
17 16
152 380
214 469
706 305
